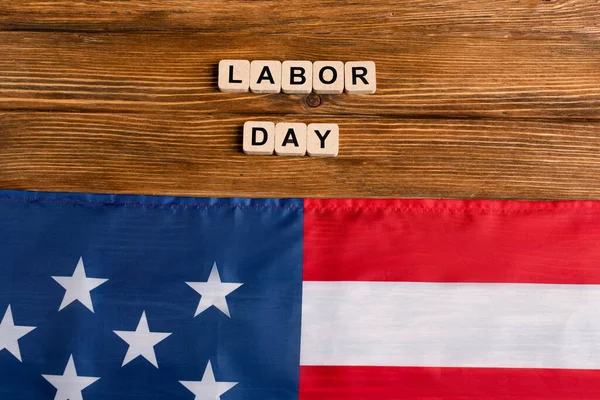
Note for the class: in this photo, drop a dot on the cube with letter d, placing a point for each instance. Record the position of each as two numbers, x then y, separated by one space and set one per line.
259 138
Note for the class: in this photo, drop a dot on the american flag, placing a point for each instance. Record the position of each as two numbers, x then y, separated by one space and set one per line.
147 297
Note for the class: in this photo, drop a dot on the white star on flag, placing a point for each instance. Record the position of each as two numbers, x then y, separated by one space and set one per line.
69 385
208 388
11 333
141 342
78 287
213 292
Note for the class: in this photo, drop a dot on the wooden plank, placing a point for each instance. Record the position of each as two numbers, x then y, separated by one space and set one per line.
188 154
418 76
377 17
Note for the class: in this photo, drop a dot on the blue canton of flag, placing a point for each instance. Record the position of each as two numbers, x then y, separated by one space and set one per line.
106 297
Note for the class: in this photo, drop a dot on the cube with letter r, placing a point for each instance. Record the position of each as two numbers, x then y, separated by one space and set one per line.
360 77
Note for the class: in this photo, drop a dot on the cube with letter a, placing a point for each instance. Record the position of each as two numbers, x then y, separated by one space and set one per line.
265 76
290 139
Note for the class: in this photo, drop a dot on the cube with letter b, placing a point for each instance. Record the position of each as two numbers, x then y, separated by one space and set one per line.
297 77
259 138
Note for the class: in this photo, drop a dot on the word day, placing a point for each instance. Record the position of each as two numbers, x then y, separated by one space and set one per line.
297 77
291 139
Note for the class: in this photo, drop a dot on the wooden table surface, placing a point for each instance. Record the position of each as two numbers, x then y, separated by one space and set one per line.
475 99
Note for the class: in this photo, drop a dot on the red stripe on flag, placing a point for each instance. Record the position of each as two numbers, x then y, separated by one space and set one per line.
452 241
395 383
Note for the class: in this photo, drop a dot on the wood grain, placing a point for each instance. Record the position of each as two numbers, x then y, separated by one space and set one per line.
492 99
491 18
201 155
417 76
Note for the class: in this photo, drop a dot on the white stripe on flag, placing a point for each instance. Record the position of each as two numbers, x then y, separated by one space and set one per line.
451 324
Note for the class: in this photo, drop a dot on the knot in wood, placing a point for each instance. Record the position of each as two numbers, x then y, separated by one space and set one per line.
313 100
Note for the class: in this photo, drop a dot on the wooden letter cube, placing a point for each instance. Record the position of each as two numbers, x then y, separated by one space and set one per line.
265 76
328 77
259 137
290 139
360 77
322 140
234 75
296 77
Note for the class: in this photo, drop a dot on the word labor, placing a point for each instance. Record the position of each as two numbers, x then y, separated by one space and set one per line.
297 77
291 139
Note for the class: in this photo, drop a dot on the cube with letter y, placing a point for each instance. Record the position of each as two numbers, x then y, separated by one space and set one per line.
322 140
